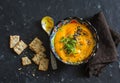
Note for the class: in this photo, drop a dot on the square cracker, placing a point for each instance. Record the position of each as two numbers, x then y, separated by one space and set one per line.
14 40
37 57
26 61
43 65
36 46
19 47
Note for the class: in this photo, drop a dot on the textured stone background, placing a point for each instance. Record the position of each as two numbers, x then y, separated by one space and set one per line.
22 17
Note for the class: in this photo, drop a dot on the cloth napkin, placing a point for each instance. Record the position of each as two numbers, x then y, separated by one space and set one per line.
108 40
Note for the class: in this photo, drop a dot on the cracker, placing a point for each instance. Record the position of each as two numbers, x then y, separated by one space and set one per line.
36 46
19 47
37 57
14 40
26 61
43 65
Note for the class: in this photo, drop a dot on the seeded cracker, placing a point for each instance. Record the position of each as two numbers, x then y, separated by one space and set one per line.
43 65
14 40
19 47
36 46
37 57
26 61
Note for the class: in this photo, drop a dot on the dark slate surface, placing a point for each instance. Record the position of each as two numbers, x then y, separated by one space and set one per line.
22 17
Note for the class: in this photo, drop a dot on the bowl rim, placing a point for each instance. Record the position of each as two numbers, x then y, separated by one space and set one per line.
80 20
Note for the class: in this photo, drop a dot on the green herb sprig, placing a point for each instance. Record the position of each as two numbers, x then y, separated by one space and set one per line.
69 44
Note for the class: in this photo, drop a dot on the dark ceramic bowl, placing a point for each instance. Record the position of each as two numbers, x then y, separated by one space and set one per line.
68 20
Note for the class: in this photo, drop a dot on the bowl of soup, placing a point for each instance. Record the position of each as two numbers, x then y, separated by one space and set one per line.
74 41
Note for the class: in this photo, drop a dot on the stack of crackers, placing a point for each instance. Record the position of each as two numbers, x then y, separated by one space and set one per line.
39 58
17 44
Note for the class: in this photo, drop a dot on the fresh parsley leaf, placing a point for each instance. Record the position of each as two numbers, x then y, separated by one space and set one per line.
69 44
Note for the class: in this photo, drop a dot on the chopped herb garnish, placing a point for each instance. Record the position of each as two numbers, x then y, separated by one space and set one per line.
69 44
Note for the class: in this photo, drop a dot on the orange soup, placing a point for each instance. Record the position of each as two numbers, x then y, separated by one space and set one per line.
74 42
